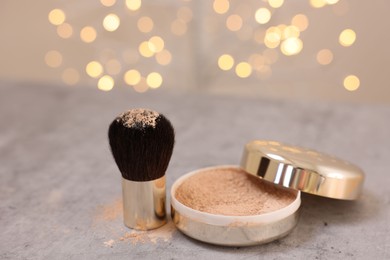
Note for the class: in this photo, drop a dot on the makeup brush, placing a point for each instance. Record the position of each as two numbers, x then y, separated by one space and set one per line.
142 142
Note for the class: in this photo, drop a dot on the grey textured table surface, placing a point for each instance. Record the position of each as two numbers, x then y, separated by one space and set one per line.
60 188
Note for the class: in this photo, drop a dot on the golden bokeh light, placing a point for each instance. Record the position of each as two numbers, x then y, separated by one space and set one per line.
65 30
221 6
300 21
275 3
243 69
133 5
132 77
185 14
70 76
156 44
234 22
324 57
106 83
53 59
164 57
113 67
272 37
291 46
317 3
154 80
94 69
88 34
144 49
56 17
111 22
108 3
179 27
225 62
347 37
351 83
331 2
145 24
291 32
262 15
142 86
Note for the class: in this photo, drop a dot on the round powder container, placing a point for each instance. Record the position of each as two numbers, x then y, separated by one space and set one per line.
224 205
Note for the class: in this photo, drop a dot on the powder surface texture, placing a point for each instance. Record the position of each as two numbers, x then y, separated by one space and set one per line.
138 117
231 192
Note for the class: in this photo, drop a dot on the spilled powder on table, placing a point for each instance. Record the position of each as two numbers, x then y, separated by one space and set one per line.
107 214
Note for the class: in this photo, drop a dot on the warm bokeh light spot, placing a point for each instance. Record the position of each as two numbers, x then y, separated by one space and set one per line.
106 83
108 3
291 32
291 46
225 62
351 83
164 57
154 80
243 69
88 34
94 69
144 49
262 15
70 76
234 22
221 6
300 21
145 24
275 3
331 2
53 59
324 57
111 22
65 30
156 44
272 37
317 3
347 37
56 17
133 5
132 77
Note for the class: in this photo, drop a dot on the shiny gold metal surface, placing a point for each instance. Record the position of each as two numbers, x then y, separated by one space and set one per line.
144 204
303 169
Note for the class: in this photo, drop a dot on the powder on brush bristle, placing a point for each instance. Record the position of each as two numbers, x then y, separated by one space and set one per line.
231 192
138 117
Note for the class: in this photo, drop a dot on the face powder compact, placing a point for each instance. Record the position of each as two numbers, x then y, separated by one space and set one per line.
258 201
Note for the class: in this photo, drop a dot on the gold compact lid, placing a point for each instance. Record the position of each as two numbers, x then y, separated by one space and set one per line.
303 169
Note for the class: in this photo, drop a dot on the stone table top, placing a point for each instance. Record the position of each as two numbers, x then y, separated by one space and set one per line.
60 193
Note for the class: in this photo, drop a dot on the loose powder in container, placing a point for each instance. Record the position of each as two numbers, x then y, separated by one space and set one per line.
231 192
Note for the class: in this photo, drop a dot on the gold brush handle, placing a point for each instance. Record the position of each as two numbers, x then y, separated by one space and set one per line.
144 203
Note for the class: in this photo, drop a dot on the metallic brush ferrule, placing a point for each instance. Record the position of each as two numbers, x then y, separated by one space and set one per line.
144 203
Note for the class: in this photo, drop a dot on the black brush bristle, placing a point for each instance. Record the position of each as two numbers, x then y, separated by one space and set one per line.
142 151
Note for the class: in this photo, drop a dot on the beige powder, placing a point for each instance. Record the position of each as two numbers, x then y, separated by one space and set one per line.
232 192
138 116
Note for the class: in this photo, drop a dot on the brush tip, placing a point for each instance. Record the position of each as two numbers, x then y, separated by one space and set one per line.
141 142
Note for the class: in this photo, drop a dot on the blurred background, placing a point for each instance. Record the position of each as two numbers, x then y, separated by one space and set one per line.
332 50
